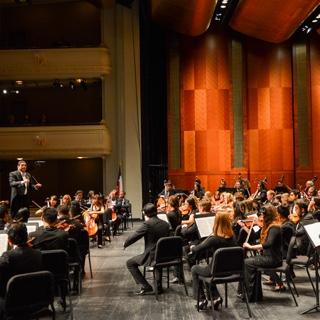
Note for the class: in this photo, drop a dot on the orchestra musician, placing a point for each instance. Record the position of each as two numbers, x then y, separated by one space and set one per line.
49 237
4 217
198 191
222 236
269 246
21 183
122 208
168 189
173 212
152 230
21 259
96 212
52 202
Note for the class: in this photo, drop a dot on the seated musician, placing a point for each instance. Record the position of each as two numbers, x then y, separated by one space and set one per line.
22 215
173 212
287 231
198 191
122 207
270 249
96 212
301 217
21 259
65 201
222 236
78 204
52 202
49 237
168 189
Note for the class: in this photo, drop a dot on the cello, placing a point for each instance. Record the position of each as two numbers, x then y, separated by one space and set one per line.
90 222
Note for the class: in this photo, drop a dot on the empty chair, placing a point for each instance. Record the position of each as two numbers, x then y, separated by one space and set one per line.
227 267
74 262
29 295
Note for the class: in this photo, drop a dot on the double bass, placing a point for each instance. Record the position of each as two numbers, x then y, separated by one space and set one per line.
90 222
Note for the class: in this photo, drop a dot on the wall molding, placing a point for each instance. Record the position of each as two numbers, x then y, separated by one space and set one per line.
55 142
46 64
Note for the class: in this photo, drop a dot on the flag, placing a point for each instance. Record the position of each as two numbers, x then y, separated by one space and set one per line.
119 181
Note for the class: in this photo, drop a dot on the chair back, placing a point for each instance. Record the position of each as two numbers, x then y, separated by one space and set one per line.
56 261
84 242
73 250
227 261
29 293
291 253
168 249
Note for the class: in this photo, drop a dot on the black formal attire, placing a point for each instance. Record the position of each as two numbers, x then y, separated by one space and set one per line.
212 243
174 218
122 208
50 238
20 192
167 193
271 257
20 260
152 230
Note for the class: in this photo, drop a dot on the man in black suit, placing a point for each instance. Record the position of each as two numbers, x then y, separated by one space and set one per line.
22 259
50 237
21 184
122 208
152 230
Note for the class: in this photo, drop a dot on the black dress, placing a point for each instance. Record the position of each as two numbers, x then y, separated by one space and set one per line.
271 257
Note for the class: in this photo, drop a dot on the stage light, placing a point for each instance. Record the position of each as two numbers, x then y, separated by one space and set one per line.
79 80
4 91
19 82
72 85
223 6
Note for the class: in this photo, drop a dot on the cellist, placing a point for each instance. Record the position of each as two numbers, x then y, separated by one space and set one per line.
96 212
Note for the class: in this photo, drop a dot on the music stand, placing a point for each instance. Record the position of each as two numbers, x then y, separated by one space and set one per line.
204 222
313 232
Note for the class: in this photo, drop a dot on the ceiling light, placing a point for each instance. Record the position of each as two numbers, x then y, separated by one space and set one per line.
19 82
223 6
315 20
4 91
78 80
72 85
224 1
19 159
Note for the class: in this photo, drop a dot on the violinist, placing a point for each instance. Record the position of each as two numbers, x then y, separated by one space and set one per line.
50 237
66 201
52 202
96 212
270 247
78 204
173 212
4 217
21 259
261 192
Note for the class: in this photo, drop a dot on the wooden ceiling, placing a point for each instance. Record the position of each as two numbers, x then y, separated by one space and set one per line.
269 20
191 17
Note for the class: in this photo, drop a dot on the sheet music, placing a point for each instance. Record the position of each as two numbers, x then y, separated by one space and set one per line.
37 220
31 228
205 225
313 232
163 216
3 243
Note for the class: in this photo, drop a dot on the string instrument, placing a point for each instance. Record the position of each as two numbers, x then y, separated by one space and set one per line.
65 225
90 222
162 204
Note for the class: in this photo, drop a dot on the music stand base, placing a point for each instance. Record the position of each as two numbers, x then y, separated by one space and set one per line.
316 308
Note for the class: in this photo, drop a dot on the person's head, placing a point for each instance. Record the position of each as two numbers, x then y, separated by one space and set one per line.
294 195
63 212
223 225
309 184
150 210
191 202
270 217
284 198
300 208
49 216
167 185
22 166
122 194
18 234
91 193
96 200
270 195
237 184
66 200
22 215
79 195
204 205
173 202
53 201
208 194
283 213
312 192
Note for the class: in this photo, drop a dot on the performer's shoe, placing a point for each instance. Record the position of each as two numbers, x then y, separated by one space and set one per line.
144 291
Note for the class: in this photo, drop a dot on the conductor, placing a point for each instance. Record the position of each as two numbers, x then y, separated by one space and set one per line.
21 184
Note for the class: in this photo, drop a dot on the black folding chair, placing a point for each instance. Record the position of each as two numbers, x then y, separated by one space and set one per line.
74 262
227 267
56 261
168 253
284 268
84 247
29 295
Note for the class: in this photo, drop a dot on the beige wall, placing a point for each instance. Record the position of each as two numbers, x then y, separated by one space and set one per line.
121 101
